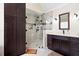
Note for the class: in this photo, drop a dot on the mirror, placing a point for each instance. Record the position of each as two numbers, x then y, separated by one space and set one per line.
64 21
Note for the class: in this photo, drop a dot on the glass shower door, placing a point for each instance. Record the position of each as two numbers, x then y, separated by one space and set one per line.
34 33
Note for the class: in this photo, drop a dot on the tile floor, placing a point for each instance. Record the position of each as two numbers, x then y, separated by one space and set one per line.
43 52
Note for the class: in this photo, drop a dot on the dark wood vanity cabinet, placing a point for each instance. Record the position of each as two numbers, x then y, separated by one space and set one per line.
68 46
14 29
75 46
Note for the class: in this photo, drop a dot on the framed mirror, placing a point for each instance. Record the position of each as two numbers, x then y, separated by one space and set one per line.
64 23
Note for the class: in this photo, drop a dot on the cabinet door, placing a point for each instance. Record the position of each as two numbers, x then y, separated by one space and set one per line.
49 42
14 29
10 35
20 28
75 46
9 29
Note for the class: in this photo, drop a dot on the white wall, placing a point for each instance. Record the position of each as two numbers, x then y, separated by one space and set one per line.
74 22
1 29
34 6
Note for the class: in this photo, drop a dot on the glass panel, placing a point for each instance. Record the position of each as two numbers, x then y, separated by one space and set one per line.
34 33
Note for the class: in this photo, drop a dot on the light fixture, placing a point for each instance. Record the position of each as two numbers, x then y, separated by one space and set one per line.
76 15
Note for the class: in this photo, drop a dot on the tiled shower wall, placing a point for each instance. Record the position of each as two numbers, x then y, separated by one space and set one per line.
34 33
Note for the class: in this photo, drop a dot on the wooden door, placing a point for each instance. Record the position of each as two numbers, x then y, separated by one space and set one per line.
20 28
14 29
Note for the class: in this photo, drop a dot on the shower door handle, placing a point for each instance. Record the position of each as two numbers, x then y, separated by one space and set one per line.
25 42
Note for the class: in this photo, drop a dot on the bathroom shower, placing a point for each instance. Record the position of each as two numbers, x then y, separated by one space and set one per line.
34 32
35 25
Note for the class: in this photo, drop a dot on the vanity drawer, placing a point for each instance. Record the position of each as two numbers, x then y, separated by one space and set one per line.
60 37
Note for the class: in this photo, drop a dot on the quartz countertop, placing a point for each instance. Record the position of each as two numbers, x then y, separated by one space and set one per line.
68 35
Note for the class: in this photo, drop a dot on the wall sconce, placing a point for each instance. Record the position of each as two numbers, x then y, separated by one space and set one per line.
76 15
25 16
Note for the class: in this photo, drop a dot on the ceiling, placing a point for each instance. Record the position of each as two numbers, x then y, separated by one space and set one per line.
43 7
